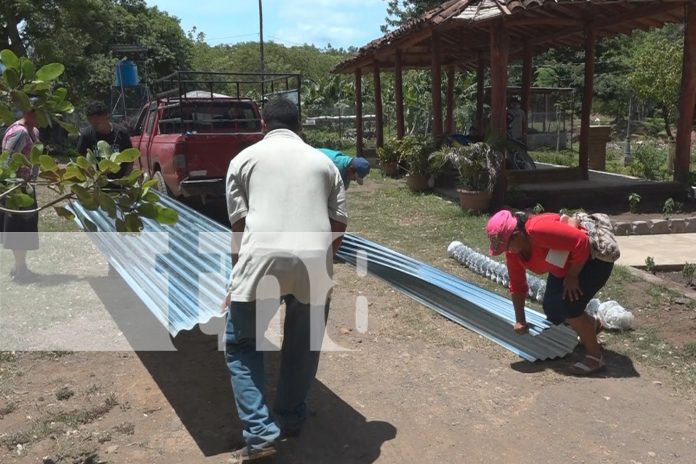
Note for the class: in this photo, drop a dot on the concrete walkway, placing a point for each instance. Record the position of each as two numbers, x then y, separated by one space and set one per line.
666 250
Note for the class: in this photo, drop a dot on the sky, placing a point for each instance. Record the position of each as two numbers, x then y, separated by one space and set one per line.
341 23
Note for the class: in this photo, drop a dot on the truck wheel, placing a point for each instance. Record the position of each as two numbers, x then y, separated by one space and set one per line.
161 186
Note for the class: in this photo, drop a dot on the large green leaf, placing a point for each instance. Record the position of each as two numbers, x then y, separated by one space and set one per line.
20 200
88 198
120 225
108 204
73 173
36 86
127 156
28 68
148 210
108 166
60 94
43 119
70 128
11 77
64 213
50 72
103 149
167 216
9 59
83 163
36 152
21 100
6 115
133 223
48 163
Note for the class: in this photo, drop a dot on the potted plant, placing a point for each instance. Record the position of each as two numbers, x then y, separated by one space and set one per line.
421 167
477 165
389 157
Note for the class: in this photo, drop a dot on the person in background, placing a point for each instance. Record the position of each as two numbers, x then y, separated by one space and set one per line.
101 128
285 200
544 243
19 233
515 121
350 168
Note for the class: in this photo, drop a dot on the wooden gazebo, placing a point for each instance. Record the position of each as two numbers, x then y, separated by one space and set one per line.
473 34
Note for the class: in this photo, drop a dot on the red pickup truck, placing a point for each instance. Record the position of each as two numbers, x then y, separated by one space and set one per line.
188 137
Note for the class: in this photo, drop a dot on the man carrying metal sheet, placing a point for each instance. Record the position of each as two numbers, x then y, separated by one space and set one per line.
286 202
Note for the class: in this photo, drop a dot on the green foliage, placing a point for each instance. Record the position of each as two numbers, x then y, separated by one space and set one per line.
688 272
671 206
80 33
633 202
477 164
85 179
416 151
648 161
326 139
538 208
389 152
401 11
650 264
656 74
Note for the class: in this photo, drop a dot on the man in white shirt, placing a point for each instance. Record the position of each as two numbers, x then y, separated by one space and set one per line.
286 202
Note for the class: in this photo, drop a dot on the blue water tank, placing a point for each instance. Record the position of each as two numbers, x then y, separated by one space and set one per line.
126 74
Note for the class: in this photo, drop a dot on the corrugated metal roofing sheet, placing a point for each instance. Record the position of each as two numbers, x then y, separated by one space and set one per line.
180 272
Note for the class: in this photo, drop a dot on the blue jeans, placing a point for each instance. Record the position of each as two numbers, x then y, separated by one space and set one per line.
298 367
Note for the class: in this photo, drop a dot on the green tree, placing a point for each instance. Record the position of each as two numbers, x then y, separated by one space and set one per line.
401 11
656 74
80 33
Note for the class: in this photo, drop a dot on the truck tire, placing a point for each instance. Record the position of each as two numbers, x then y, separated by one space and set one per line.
161 186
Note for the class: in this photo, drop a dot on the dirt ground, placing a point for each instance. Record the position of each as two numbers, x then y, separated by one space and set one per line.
413 388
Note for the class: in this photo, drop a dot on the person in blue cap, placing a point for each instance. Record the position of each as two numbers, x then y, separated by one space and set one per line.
350 168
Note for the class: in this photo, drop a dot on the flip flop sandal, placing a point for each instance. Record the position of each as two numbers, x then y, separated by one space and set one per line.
583 368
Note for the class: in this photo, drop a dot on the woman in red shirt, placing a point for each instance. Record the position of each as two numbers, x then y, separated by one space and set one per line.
545 244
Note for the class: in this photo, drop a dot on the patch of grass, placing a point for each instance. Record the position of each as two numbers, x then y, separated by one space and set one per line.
7 357
690 351
56 423
65 393
92 390
126 428
9 408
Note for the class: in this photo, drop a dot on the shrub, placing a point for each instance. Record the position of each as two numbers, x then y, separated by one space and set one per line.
648 162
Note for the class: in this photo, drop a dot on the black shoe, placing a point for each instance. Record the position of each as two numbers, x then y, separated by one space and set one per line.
25 276
243 455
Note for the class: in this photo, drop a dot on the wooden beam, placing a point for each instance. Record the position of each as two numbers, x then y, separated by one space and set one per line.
480 80
500 47
687 98
359 142
610 22
543 21
379 114
449 121
436 75
399 96
590 45
527 75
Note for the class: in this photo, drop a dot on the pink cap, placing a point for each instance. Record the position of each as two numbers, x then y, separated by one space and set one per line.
499 229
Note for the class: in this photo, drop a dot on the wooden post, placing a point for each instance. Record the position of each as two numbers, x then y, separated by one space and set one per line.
449 121
436 85
526 97
359 142
590 42
500 50
379 114
480 77
399 96
687 97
